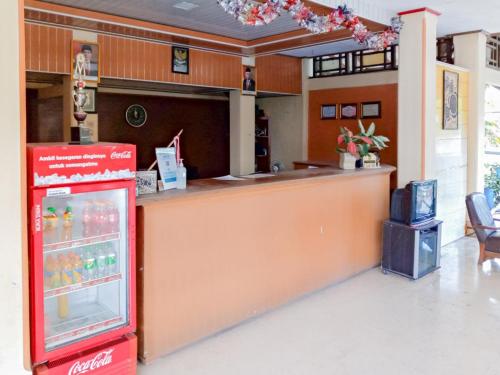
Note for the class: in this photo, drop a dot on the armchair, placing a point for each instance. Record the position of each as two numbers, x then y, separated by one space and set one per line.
483 223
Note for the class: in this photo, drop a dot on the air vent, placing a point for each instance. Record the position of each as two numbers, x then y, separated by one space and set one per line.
184 5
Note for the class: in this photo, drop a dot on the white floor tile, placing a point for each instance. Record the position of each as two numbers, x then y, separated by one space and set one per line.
445 323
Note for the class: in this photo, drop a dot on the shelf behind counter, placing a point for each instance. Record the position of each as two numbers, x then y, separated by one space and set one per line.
221 252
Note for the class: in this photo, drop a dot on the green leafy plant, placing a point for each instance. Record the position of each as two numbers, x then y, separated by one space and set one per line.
361 144
492 181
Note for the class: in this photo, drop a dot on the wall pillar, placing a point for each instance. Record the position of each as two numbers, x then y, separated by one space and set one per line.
470 53
14 324
417 95
242 133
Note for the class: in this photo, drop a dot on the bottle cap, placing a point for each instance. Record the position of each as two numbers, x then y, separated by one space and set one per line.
52 210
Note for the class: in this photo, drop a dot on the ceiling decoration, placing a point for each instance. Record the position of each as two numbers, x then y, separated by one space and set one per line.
255 13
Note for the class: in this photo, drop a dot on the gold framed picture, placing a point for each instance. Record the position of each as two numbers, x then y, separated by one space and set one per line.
91 52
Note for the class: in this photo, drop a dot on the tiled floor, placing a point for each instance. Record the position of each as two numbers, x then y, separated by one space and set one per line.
445 323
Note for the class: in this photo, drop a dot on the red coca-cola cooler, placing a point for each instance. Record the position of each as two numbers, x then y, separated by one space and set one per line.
82 258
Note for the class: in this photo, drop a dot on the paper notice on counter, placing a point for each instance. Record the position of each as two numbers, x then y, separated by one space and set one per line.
259 175
228 178
167 165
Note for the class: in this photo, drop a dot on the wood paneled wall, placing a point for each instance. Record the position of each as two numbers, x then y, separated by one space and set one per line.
204 143
144 60
277 73
48 49
323 133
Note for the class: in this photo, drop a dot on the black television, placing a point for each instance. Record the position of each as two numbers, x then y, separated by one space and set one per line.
416 203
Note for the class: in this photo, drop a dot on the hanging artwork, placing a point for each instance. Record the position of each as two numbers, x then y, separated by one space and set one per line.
256 13
450 100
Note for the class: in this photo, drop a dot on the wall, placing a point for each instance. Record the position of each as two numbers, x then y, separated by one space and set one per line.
450 158
44 117
204 143
322 138
285 127
14 340
278 73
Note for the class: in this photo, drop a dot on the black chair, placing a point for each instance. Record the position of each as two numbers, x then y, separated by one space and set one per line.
483 223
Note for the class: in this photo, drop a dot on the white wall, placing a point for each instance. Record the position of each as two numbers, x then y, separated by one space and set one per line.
285 127
450 156
11 190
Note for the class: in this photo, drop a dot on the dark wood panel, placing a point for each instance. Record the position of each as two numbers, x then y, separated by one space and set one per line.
204 143
44 118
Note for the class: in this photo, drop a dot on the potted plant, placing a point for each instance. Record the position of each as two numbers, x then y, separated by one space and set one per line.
356 147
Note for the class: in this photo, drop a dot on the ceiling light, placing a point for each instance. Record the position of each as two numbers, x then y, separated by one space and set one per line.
184 5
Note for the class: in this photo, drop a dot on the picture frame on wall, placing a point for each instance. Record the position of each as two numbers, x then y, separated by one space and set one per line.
450 100
89 106
180 60
91 51
249 80
328 111
371 110
349 111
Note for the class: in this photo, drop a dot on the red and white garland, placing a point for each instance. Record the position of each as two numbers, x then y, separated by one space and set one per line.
251 12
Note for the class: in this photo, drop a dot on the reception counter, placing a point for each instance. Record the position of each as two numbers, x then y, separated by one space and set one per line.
221 252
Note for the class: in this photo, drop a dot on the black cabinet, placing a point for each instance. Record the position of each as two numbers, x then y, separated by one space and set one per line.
411 251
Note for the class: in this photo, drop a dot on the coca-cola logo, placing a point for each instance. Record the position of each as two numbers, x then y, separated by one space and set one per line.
100 360
121 155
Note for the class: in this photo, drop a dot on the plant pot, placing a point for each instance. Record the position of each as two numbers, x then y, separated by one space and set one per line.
347 161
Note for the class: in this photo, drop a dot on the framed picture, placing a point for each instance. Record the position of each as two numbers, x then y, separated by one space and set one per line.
371 110
180 60
249 80
89 106
349 111
91 52
450 100
329 111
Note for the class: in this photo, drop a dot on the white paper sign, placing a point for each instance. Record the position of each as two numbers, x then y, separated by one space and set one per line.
167 165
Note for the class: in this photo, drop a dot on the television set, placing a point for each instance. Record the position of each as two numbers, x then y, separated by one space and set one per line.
416 203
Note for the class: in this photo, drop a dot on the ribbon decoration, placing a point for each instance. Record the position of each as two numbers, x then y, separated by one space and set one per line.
251 12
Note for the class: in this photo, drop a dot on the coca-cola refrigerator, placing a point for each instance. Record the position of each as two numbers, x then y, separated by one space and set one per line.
82 258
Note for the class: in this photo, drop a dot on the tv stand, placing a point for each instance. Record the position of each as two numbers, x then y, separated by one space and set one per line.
411 251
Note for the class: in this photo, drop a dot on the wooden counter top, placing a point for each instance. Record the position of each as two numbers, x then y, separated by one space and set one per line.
197 187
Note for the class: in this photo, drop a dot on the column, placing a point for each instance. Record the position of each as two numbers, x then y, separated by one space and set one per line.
417 95
14 323
470 53
242 133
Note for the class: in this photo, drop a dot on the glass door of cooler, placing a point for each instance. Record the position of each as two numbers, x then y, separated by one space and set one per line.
85 265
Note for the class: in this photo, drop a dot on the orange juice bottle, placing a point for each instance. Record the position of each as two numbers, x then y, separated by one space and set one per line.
63 306
67 229
50 222
52 275
77 269
66 270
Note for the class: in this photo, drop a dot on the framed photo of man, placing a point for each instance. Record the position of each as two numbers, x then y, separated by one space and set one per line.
249 81
92 55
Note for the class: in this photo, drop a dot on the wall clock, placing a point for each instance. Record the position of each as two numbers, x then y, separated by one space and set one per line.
136 115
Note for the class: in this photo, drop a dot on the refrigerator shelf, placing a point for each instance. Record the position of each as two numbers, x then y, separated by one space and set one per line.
81 286
85 320
69 245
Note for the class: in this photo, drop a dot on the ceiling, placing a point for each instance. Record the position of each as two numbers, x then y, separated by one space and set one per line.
457 16
207 16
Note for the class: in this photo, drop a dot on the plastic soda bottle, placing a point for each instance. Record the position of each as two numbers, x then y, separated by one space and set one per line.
50 222
89 265
111 260
113 218
87 219
101 262
67 231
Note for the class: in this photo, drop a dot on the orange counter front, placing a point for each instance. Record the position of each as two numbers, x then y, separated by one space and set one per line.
225 251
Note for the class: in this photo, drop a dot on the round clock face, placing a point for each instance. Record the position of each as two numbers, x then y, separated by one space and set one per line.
136 115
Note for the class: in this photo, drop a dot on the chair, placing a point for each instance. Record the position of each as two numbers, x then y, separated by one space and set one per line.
483 224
